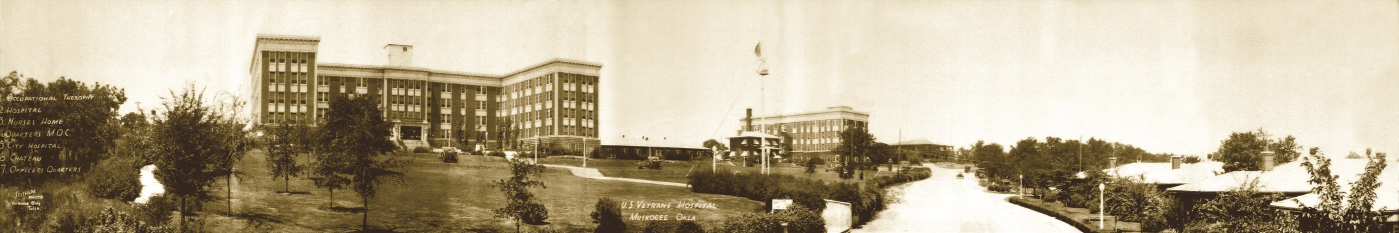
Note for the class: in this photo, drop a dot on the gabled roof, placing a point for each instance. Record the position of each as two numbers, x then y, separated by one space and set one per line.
919 141
1349 170
1161 173
1285 178
646 141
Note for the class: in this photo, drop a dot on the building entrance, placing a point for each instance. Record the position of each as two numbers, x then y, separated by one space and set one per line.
410 132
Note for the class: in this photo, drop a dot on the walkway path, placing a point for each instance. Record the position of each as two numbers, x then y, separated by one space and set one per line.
944 203
593 173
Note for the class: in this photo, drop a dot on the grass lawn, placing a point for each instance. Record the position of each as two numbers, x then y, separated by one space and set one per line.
438 197
677 171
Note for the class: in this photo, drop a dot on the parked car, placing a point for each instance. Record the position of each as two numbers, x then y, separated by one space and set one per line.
653 163
959 176
451 149
448 157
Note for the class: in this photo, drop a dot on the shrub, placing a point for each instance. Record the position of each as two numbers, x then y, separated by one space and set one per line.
116 178
806 192
816 160
1138 202
652 227
689 227
421 150
496 154
156 211
608 216
799 219
1066 219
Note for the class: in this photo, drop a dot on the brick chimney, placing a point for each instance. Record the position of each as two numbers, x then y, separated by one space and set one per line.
748 121
1267 160
1175 162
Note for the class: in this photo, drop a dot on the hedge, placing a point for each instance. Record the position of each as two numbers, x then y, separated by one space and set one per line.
1066 219
865 203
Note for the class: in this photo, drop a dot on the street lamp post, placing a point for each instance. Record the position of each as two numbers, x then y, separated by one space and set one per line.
1102 204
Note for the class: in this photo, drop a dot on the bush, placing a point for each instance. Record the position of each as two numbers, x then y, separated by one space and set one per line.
799 219
652 227
806 192
116 178
1066 219
156 211
421 150
608 216
496 154
816 160
689 227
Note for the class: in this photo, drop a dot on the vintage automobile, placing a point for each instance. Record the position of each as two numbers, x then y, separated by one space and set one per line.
653 163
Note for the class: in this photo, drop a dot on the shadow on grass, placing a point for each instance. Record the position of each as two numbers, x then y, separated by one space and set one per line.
342 209
376 229
293 192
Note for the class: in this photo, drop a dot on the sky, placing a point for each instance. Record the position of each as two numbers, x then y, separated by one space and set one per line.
1165 76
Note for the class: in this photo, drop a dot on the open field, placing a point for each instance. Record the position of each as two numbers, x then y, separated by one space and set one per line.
438 197
677 171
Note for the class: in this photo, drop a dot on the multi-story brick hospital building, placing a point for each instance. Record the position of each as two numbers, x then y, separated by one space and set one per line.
811 133
552 102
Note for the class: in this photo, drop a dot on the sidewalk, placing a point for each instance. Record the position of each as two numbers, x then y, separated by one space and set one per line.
593 173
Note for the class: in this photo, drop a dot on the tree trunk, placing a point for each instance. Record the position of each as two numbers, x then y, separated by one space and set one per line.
286 184
182 214
364 224
332 197
230 193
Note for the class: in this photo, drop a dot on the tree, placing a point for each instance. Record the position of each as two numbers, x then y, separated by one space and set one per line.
608 216
1242 150
89 121
1336 210
990 158
855 143
1191 159
284 144
1243 209
522 206
355 136
716 147
194 142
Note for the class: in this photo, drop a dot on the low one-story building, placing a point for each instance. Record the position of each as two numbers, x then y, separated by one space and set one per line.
644 147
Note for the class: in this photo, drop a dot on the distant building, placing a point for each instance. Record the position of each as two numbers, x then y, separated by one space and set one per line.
925 149
643 147
810 134
550 102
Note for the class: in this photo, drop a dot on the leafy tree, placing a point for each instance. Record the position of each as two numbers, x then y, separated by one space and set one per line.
1242 150
1242 209
522 206
194 142
133 120
608 216
991 159
1338 211
90 123
854 147
284 144
1191 159
355 135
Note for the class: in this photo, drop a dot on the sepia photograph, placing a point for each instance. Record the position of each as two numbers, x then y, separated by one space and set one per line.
742 116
